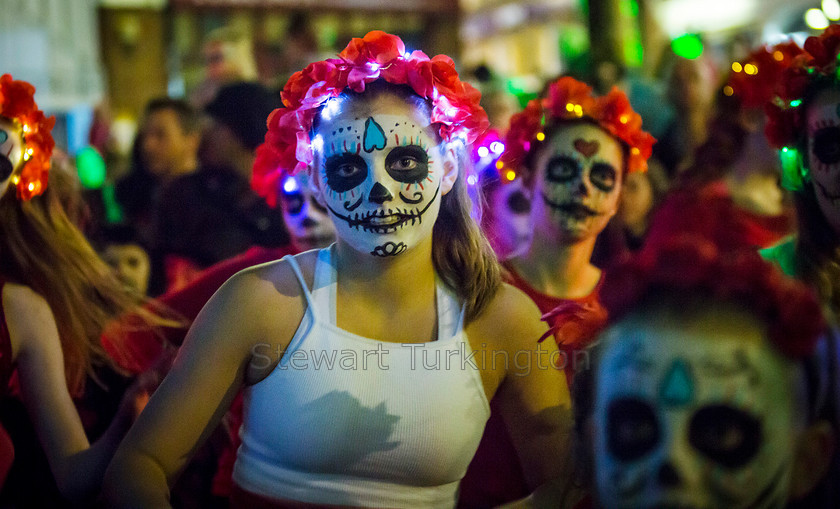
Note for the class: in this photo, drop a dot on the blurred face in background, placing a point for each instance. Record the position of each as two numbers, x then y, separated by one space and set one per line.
636 201
131 263
307 220
823 119
508 219
167 150
694 410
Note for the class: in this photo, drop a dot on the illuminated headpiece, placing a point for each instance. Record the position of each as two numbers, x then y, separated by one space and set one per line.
17 104
570 99
287 148
815 67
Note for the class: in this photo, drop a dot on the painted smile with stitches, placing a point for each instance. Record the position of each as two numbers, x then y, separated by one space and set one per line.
573 209
384 221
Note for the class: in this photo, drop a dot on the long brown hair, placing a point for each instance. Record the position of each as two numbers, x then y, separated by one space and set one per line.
461 254
41 248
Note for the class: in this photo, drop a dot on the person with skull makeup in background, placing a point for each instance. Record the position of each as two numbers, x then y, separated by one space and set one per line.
804 123
382 134
573 150
700 392
57 297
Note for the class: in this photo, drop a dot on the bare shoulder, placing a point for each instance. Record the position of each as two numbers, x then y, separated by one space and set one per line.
510 321
28 316
263 304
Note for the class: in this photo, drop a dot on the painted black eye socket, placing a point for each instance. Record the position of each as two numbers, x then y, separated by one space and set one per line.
518 203
632 429
602 176
294 202
409 164
827 145
728 436
562 169
345 171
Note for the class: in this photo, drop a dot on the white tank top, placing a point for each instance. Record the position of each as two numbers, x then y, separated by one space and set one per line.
349 420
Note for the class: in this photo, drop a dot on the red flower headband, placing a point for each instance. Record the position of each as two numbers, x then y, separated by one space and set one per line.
570 99
17 104
818 62
287 147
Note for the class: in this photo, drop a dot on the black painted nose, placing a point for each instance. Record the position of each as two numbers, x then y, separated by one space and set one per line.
668 475
379 194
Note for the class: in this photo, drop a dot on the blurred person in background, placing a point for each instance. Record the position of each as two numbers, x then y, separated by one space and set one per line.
212 214
165 148
641 194
700 390
573 150
735 172
803 122
505 214
691 90
123 251
228 58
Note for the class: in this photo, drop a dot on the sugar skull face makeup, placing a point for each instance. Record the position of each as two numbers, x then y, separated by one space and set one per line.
305 218
696 413
11 150
578 182
381 173
824 153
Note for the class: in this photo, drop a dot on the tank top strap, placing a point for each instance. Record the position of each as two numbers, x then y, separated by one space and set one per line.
450 312
324 286
310 301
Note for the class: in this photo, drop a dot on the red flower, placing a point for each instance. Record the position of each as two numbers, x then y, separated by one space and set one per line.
693 258
17 102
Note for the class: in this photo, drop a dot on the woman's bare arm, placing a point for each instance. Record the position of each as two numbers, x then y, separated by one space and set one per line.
210 368
534 396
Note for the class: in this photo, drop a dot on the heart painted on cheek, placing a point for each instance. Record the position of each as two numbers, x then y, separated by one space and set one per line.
587 148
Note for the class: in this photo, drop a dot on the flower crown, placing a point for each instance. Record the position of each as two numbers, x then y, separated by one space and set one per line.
817 63
694 247
17 104
754 80
287 148
570 99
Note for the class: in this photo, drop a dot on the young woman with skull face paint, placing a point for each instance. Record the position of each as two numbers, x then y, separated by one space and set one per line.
410 279
803 122
572 150
698 394
57 297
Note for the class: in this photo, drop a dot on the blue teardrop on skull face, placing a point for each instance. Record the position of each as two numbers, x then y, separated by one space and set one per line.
374 136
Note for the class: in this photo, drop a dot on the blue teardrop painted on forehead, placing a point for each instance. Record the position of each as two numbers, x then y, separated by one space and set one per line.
3 136
374 136
677 388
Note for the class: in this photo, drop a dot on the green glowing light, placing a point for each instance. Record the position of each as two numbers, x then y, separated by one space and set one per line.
687 46
795 103
91 168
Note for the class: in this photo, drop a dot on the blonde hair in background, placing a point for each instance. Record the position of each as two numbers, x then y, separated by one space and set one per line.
41 248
